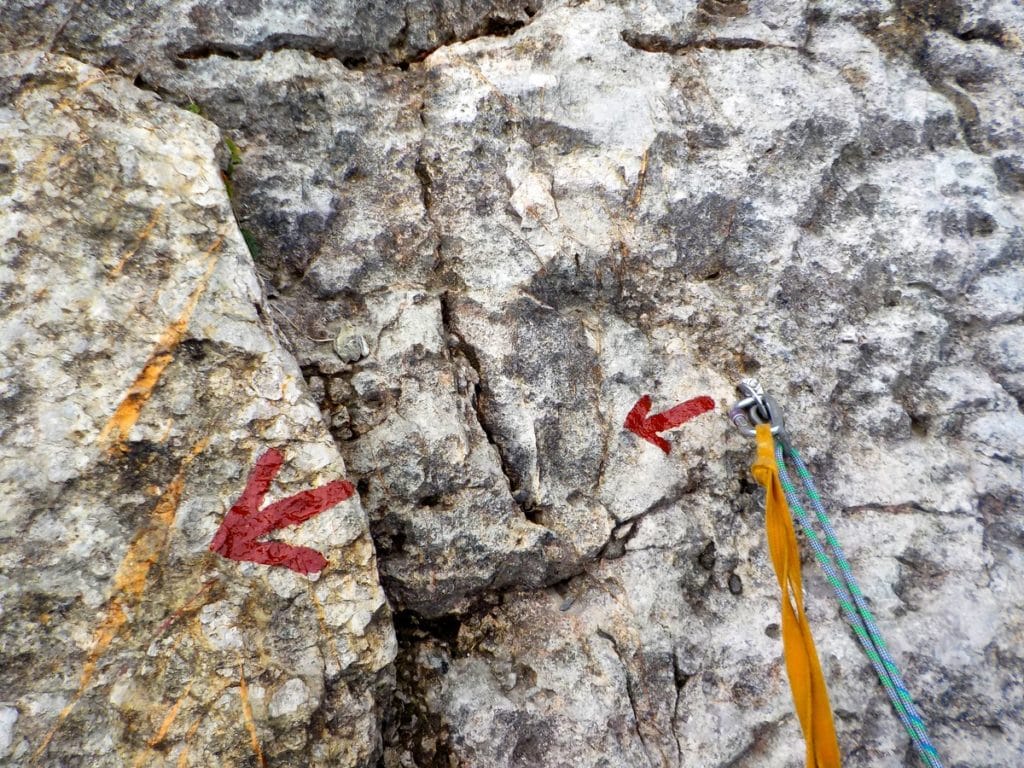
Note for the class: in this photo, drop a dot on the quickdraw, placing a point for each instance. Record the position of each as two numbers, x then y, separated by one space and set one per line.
759 415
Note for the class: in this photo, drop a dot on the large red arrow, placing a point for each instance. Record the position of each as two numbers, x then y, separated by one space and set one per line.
648 427
245 522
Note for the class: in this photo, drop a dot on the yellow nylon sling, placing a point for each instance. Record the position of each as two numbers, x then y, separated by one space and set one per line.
810 696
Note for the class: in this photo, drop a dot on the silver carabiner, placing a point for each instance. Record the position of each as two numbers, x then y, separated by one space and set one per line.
755 407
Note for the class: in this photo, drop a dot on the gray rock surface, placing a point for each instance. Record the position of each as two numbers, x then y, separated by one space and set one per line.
153 34
482 257
140 381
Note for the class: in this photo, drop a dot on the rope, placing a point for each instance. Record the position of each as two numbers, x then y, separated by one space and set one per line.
806 681
852 601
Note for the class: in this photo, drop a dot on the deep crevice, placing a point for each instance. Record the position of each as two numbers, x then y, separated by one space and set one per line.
966 112
631 691
498 27
408 721
680 679
444 629
991 32
661 44
468 351
426 186
206 50
143 84
321 48
620 536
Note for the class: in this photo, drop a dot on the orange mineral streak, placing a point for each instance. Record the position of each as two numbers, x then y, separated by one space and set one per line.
142 238
120 424
321 616
250 723
183 757
91 81
638 190
168 721
129 584
145 756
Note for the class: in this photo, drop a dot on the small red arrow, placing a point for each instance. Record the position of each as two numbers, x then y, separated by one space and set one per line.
648 428
245 522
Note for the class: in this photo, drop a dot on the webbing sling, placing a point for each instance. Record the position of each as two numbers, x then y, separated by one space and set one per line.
758 415
810 695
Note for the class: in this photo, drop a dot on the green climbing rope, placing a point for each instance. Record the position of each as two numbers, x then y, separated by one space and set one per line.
851 599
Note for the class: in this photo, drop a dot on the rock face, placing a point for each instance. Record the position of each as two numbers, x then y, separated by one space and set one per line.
141 380
484 230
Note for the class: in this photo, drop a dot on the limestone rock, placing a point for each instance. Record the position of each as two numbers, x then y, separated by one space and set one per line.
411 415
154 34
531 229
140 381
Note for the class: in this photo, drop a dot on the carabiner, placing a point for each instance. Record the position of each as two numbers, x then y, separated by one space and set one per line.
755 408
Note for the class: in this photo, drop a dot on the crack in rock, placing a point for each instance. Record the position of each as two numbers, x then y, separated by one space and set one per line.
650 43
352 58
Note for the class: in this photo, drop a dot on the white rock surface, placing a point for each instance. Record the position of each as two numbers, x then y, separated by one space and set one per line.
141 381
531 229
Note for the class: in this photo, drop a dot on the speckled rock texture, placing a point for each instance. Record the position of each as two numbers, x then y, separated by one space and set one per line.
483 231
140 380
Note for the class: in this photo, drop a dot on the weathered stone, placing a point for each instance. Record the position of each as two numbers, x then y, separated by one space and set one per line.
842 235
153 34
529 231
141 380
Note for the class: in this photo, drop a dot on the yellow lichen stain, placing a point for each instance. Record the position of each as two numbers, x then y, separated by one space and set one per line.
168 720
165 435
72 156
641 178
116 430
105 633
67 105
162 730
250 723
167 655
129 584
148 546
183 757
321 616
213 693
479 74
139 241
90 81
40 168
192 605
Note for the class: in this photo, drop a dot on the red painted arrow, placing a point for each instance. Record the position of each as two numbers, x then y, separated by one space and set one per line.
648 427
245 522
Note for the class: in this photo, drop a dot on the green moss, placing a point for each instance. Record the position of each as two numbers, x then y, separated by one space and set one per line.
234 160
234 155
251 242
